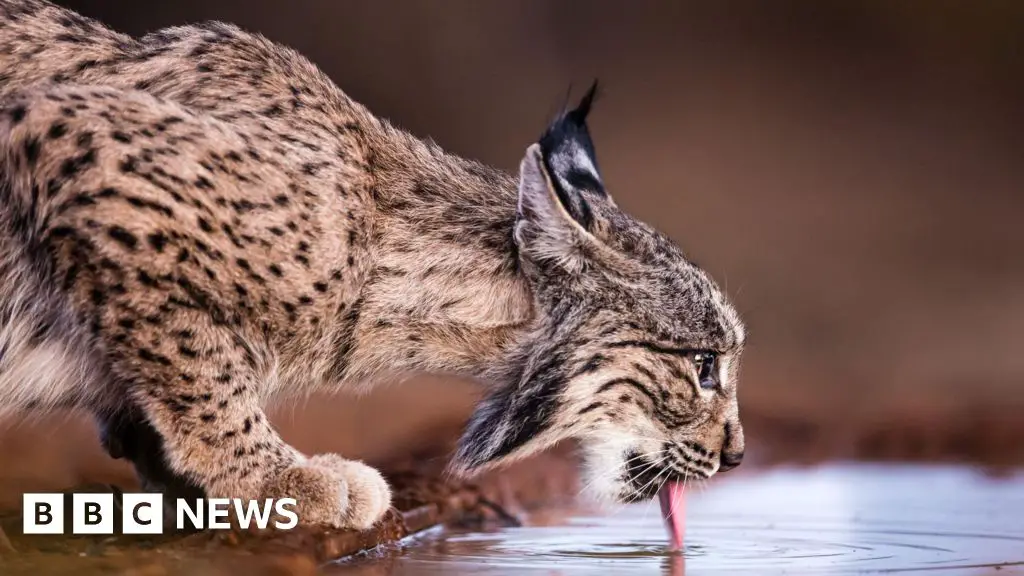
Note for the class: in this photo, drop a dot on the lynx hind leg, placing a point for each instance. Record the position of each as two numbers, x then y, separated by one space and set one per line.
44 356
124 433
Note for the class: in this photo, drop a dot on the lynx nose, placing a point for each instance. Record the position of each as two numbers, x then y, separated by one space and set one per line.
732 447
729 460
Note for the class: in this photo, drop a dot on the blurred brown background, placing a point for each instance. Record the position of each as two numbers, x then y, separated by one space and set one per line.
853 172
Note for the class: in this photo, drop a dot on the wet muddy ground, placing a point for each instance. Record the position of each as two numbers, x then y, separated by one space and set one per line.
422 499
420 503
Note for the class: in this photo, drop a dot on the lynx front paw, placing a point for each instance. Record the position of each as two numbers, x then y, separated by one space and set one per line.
331 490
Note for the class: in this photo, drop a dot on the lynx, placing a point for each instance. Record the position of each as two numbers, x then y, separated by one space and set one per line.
197 222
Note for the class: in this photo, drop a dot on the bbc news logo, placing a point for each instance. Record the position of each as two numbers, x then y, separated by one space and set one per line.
144 513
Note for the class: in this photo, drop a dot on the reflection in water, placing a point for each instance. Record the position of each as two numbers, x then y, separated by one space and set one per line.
836 519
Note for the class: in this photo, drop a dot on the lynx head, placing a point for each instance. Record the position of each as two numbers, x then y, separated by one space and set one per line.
636 349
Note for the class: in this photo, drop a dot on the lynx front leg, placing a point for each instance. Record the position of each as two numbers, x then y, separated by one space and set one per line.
203 401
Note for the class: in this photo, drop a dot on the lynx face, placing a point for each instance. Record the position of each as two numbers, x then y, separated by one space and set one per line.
637 351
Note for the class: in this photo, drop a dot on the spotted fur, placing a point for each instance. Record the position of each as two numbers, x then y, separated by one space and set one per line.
196 222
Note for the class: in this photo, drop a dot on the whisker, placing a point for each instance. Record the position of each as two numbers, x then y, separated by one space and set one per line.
618 467
642 489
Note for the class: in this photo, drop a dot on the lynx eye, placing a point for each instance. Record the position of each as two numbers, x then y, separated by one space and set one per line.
704 363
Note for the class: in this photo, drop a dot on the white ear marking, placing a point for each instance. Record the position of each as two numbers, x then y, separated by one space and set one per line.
545 231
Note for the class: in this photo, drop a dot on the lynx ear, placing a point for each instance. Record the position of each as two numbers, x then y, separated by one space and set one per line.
559 187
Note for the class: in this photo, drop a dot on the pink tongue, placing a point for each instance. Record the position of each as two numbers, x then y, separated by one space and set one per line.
673 510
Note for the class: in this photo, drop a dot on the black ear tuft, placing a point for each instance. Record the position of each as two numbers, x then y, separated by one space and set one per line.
570 160
579 114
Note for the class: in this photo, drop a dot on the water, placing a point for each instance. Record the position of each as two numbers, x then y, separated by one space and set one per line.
830 520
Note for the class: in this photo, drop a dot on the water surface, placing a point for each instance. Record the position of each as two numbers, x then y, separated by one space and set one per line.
835 519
